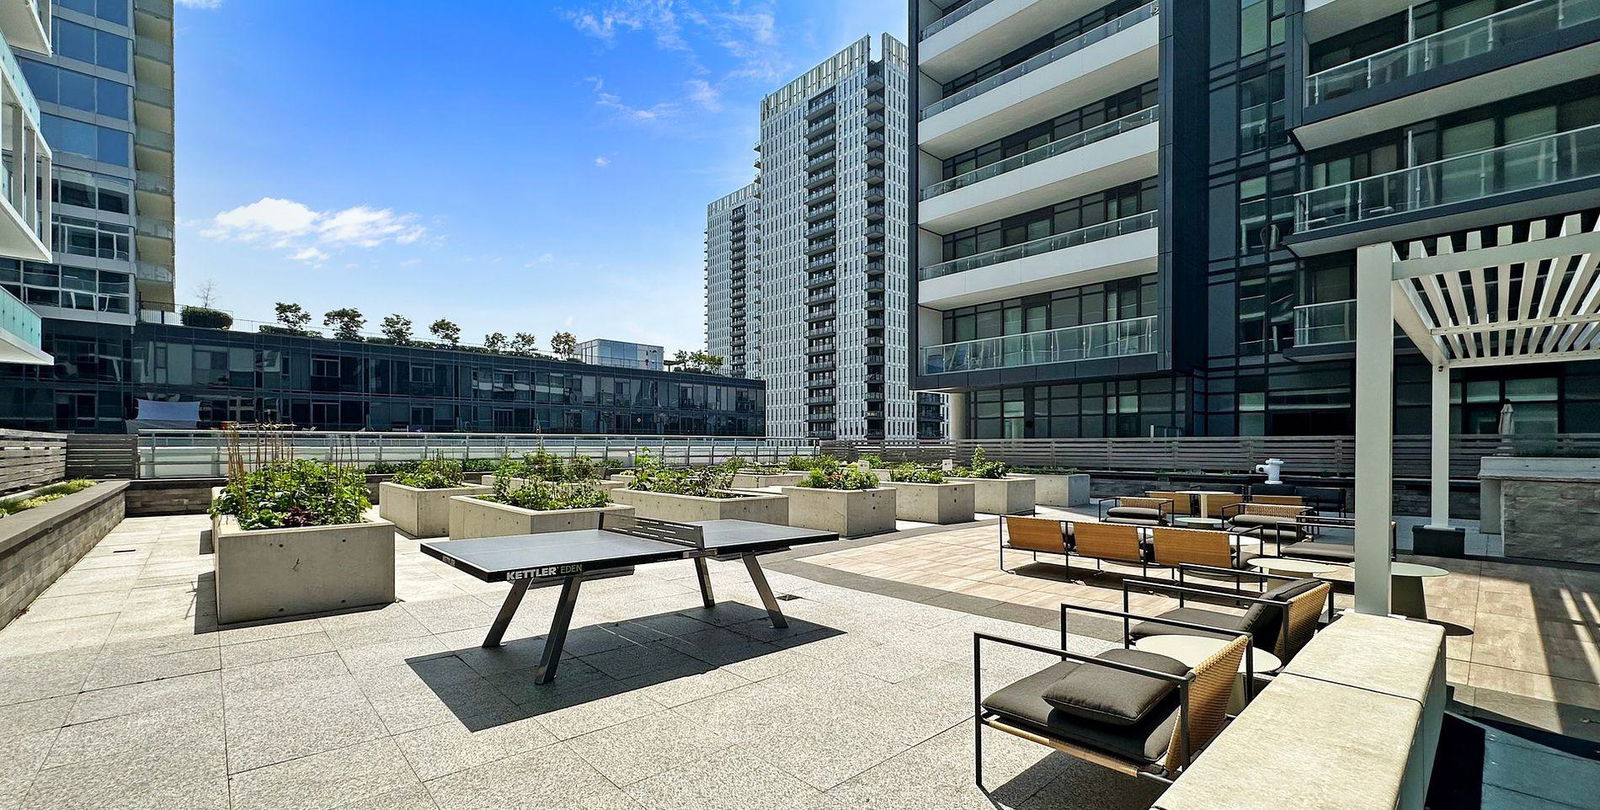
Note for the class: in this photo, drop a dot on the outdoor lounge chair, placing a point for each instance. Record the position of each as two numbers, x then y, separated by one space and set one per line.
1265 521
1135 712
1176 547
1217 505
1280 620
1033 535
1324 499
1135 511
1182 502
1277 500
1322 551
1108 542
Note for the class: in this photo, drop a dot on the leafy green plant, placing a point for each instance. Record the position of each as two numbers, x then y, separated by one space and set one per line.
981 467
650 475
433 473
551 467
803 463
830 474
295 493
916 474
43 495
875 462
544 496
205 318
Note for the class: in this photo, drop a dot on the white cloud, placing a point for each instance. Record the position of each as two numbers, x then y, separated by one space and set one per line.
601 161
745 31
703 94
657 17
309 235
638 115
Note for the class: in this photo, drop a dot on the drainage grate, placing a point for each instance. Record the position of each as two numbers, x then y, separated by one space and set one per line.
123 550
788 597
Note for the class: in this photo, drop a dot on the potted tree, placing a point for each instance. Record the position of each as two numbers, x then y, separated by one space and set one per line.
418 500
531 507
847 500
996 491
696 493
291 539
924 494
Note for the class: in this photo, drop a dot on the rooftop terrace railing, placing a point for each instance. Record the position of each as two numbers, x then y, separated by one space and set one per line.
952 17
1060 241
1071 46
1469 39
1123 338
1529 164
204 453
1049 150
1320 324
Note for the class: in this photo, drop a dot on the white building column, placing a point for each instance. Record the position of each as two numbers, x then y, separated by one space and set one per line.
1374 425
957 429
1439 447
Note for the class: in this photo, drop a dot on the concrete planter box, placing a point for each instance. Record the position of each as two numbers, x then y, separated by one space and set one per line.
1062 490
933 503
1012 495
474 517
764 480
850 512
760 508
276 573
607 485
38 545
421 512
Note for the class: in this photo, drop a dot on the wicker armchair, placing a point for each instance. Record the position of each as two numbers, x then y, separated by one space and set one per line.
1281 620
1277 523
1134 511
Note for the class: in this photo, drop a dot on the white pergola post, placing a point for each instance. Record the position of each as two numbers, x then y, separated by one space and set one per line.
1439 448
1374 425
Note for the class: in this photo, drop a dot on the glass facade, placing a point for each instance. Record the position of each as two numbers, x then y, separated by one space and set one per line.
102 369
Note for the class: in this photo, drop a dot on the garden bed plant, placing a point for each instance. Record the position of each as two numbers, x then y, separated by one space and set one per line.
845 499
831 474
650 475
418 500
916 474
42 496
295 493
997 491
803 463
982 467
545 496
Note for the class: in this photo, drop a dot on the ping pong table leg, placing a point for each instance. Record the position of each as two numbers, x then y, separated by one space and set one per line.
507 610
551 656
765 590
700 572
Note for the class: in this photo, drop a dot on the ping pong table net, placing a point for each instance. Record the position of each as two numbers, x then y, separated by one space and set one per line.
682 534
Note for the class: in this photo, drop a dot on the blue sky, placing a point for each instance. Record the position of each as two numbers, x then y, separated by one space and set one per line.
511 166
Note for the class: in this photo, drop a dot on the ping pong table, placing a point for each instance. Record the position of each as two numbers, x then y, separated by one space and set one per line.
620 544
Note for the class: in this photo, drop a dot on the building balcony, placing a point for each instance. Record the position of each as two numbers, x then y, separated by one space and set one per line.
875 121
819 128
822 262
1541 176
875 268
815 180
874 140
1120 54
824 228
873 343
875 360
874 304
819 245
1116 152
874 250
874 194
21 333
970 33
875 323
824 314
821 195
818 213
874 102
825 435
1117 249
818 332
1489 59
875 213
825 296
26 166
820 144
819 366
1124 338
26 24
819 280
1325 324
875 158
874 396
822 161
875 378
875 177
827 106
826 399
874 287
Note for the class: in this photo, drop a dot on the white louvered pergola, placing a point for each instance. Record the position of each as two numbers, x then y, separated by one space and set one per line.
1531 296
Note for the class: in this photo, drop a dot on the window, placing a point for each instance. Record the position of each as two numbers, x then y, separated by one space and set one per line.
84 237
90 190
1260 25
115 11
86 44
422 374
97 143
324 366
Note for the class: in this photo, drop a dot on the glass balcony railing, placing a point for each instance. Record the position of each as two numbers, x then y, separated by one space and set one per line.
1081 236
1529 164
1480 36
953 17
19 82
1318 324
1049 150
1093 341
20 321
1071 46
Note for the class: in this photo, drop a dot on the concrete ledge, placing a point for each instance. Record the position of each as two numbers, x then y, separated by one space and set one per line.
688 508
38 545
607 485
421 512
1012 495
943 504
762 481
472 517
848 512
276 573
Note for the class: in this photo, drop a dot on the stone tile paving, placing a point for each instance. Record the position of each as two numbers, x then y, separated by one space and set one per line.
118 690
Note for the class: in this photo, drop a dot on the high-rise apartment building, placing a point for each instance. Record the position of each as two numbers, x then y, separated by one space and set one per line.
806 284
1141 218
24 177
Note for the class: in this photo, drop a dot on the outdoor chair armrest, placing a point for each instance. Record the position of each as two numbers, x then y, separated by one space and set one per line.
978 637
1260 576
1128 618
1183 590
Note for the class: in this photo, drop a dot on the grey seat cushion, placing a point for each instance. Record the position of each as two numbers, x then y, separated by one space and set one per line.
1273 521
1106 695
1228 624
1144 512
1324 552
1023 704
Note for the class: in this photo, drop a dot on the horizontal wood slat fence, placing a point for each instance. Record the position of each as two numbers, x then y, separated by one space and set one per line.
102 455
1302 455
29 459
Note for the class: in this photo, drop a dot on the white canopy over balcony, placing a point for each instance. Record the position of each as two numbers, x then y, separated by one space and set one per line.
1532 295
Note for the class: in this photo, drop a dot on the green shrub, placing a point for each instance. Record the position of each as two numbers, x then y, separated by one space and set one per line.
434 473
916 474
546 496
550 467
294 493
203 318
981 467
830 474
650 475
803 463
875 462
44 495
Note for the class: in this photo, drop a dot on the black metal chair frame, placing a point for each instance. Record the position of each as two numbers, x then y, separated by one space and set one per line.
1184 590
1170 508
980 718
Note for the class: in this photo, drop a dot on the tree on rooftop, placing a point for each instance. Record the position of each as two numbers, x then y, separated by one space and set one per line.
293 317
525 344
495 341
346 322
398 329
446 331
564 344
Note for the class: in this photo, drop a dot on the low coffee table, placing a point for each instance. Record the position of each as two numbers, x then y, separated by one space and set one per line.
1287 566
1194 650
1212 524
1405 586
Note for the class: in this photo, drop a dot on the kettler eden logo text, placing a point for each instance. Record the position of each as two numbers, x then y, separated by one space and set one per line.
546 572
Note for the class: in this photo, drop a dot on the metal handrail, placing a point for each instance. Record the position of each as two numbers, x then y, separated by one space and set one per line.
1121 338
954 16
1069 143
1329 322
1060 241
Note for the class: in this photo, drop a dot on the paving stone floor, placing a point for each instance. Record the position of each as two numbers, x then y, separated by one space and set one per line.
118 690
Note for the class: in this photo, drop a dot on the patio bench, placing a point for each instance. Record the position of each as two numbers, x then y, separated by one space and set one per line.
1135 511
